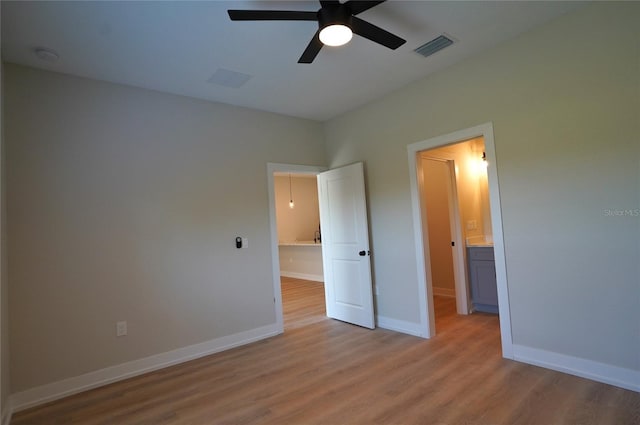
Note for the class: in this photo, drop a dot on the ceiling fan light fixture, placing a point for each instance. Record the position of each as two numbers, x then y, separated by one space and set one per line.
337 22
335 35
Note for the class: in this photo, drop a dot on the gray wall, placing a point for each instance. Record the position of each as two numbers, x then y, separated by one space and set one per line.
565 104
4 282
124 204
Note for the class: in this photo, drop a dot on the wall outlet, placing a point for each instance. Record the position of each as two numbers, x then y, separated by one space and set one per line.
472 225
245 242
121 328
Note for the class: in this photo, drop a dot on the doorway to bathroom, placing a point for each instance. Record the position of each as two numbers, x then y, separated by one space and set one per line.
456 217
466 231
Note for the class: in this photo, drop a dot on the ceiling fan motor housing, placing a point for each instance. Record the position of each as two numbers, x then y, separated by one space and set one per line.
334 15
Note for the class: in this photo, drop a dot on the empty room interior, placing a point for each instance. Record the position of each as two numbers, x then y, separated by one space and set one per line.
214 213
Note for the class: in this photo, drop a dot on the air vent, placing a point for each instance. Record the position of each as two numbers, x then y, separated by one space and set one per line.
434 46
227 78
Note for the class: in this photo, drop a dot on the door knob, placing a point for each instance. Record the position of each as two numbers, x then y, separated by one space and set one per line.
362 253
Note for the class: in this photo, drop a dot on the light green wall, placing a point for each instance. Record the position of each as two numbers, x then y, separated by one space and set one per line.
124 204
565 105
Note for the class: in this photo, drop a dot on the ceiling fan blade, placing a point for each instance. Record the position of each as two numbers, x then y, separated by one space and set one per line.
272 15
376 34
357 6
312 50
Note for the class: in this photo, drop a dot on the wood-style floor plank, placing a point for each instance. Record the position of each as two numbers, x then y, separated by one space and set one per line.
322 371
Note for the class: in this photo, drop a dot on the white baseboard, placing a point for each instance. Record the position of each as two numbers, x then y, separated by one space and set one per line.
613 375
396 325
56 390
444 292
305 276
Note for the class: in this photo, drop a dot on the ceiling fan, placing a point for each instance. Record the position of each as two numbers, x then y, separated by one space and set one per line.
336 24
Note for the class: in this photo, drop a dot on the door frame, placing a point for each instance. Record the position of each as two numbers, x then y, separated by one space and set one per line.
273 228
425 293
455 221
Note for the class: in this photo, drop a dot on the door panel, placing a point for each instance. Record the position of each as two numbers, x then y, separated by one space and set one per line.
343 218
344 273
437 181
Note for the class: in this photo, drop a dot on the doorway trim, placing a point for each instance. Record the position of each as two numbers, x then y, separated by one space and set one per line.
427 317
273 228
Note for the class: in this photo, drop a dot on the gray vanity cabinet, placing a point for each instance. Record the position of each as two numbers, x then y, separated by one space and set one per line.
482 278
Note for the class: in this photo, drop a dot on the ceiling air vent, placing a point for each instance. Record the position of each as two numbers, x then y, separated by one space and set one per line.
227 78
434 45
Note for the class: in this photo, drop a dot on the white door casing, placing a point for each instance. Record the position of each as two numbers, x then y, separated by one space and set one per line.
345 245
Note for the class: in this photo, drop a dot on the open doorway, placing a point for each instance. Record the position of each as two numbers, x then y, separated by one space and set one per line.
423 261
294 298
345 243
299 248
298 222
457 227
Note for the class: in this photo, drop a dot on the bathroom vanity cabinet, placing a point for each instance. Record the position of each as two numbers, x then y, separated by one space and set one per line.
482 278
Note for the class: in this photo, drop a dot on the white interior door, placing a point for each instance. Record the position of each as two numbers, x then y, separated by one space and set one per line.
345 245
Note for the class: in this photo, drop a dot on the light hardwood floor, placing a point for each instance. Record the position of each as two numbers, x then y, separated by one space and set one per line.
321 371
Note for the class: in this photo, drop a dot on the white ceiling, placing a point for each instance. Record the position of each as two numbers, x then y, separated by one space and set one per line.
177 46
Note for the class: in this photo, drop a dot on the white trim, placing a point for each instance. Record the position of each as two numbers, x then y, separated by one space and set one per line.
613 375
498 243
396 325
273 168
444 292
305 276
425 298
66 387
427 318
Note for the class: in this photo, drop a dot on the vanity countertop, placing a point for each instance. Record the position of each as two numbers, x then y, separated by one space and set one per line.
300 243
480 241
479 245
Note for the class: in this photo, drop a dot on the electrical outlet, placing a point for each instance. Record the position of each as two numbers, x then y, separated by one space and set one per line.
121 328
245 242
